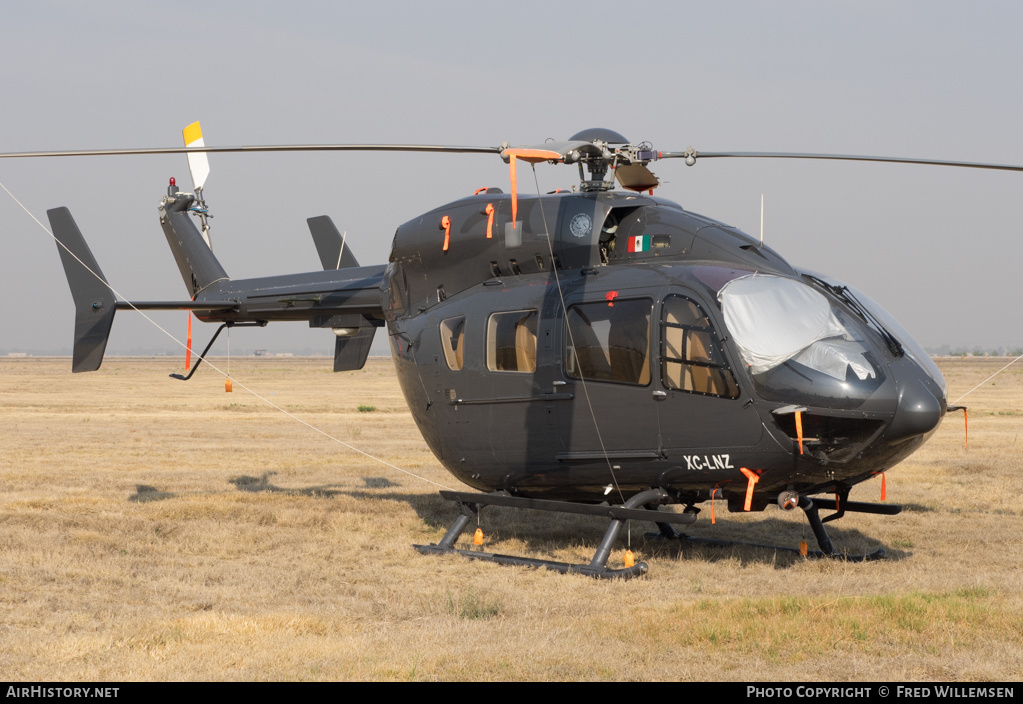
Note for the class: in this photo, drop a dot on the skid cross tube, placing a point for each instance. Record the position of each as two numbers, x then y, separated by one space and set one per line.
824 541
469 504
811 507
844 505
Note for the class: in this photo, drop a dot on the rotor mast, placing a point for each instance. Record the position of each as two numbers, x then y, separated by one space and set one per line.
597 156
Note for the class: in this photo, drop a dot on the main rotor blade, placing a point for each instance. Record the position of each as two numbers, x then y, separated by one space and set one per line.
265 148
837 157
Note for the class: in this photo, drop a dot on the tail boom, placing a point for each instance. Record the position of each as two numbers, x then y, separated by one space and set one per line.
348 300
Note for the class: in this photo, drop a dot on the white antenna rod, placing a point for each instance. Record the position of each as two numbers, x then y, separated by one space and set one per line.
761 219
342 250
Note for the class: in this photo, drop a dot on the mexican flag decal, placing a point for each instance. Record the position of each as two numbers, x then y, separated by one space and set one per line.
639 243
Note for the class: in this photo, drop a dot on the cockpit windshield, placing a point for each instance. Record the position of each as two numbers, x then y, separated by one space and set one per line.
797 344
774 319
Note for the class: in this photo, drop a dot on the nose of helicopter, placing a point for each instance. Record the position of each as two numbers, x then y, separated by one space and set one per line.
921 403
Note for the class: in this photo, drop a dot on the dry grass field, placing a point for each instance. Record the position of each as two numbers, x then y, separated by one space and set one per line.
158 530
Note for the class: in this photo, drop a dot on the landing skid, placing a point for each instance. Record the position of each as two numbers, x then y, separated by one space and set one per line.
827 548
469 504
878 554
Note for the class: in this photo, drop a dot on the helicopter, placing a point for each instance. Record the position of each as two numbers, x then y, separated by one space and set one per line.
596 350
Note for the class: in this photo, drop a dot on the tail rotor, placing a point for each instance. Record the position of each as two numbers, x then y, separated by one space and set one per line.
199 168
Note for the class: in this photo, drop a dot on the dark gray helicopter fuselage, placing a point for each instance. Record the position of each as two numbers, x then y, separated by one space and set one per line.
599 357
492 373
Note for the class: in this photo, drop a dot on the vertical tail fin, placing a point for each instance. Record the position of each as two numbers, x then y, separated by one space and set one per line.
95 303
350 351
330 245
198 267
351 347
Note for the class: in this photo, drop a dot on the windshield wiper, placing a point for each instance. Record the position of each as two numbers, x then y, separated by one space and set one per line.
844 294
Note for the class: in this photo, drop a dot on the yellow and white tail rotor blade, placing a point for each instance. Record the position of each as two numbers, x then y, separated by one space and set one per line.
198 163
199 167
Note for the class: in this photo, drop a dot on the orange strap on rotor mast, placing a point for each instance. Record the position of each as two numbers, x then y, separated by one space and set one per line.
752 479
533 156
445 224
799 430
514 189
490 220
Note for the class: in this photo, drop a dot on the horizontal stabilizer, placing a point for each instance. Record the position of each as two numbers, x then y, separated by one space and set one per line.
350 351
330 245
95 304
178 305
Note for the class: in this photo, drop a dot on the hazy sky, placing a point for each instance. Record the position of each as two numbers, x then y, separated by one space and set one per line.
940 248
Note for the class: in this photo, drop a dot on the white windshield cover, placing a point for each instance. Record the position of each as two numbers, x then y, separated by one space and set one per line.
773 320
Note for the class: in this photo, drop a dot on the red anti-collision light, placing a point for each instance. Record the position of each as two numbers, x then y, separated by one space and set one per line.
173 182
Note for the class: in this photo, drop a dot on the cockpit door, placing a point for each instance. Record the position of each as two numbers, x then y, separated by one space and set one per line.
703 407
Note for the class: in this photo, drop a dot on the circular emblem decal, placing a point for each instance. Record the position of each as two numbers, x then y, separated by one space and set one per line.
581 225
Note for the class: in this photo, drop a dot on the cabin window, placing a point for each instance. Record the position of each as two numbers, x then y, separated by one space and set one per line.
691 357
452 341
609 341
511 341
